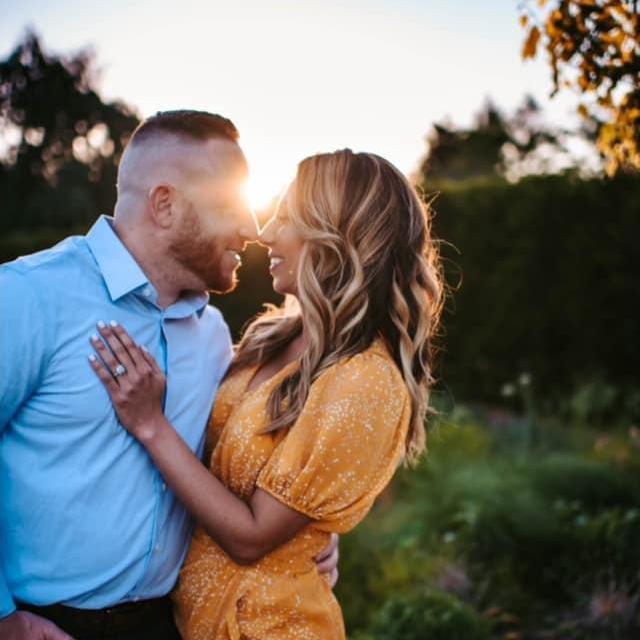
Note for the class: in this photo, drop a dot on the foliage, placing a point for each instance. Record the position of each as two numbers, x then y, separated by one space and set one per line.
594 48
545 275
61 142
496 144
525 545
431 614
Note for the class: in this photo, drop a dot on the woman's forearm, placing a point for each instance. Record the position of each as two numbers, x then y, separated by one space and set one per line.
245 531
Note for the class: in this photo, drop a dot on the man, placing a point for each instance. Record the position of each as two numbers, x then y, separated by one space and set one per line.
91 539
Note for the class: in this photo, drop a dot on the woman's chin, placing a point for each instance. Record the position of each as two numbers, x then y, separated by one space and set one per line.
277 287
281 287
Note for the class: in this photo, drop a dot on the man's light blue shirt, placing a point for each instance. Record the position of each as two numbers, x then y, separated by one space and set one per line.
85 518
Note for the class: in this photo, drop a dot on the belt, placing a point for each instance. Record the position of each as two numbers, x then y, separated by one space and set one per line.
128 617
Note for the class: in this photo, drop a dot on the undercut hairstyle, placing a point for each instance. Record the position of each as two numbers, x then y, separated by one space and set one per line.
186 123
369 268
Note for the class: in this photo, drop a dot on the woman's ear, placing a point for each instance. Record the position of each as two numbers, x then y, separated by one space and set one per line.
162 200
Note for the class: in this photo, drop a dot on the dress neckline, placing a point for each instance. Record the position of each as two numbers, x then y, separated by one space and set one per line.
267 382
377 346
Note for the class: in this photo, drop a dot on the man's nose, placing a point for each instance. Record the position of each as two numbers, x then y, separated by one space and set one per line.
248 227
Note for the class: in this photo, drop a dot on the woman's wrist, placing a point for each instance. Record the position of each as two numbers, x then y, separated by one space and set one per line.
148 432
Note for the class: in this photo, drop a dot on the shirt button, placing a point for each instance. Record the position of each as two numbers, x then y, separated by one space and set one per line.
146 292
164 486
156 549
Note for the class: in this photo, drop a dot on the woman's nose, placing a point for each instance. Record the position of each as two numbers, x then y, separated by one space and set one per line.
266 234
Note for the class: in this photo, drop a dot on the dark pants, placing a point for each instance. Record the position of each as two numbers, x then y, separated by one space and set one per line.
152 620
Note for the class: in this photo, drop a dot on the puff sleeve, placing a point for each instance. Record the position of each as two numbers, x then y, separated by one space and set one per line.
346 444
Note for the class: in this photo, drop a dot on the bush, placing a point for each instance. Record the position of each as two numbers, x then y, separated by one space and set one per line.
593 484
549 278
429 614
544 541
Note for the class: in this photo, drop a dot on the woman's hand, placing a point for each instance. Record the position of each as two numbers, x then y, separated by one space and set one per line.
132 378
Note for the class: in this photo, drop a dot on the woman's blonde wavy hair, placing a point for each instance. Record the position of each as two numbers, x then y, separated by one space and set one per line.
368 267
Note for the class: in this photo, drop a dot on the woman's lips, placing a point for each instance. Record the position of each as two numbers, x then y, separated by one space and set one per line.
275 262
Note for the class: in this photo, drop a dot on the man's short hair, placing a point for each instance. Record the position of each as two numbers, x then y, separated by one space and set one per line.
186 123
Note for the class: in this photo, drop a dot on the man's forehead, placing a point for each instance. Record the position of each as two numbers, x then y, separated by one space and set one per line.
214 158
169 157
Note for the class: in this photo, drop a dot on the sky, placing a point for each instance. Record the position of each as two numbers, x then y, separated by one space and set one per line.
301 77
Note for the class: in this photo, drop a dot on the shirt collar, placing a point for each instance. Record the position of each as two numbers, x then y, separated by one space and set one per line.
121 273
188 303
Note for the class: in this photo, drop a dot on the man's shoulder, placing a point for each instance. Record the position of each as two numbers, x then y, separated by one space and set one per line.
49 264
213 318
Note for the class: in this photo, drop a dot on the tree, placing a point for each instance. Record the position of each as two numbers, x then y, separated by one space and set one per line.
60 142
496 144
593 48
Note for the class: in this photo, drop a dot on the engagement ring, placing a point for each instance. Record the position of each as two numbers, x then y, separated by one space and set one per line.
120 370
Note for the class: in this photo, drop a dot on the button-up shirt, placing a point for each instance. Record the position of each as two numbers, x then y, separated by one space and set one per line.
85 517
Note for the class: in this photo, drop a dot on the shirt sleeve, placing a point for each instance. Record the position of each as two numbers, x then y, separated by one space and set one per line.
345 446
23 349
7 604
23 341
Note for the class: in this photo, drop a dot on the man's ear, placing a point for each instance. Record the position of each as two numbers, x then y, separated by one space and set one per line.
162 200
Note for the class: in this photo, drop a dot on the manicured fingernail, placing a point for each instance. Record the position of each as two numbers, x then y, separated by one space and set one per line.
94 337
113 323
144 348
92 358
101 325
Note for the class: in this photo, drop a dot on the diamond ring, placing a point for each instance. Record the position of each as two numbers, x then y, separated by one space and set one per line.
120 370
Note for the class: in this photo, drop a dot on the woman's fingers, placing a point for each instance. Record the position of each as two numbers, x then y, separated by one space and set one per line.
127 342
105 376
150 360
121 354
115 367
118 350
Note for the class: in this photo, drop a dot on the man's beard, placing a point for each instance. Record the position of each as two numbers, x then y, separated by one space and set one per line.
200 257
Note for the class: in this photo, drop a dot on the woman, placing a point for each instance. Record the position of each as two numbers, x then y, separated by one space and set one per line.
325 396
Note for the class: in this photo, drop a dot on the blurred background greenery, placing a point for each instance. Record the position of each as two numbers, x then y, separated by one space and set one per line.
524 519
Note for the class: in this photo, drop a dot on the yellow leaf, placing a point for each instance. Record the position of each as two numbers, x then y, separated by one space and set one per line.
541 3
523 21
531 44
582 110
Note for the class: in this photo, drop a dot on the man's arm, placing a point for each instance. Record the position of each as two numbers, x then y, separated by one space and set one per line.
23 354
22 350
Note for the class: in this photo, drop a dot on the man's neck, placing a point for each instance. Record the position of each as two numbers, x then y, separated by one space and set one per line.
152 262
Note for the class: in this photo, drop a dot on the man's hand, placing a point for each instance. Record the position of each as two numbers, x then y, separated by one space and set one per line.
22 625
327 560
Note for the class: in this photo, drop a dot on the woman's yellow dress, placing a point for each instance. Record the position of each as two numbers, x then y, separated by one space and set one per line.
330 465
